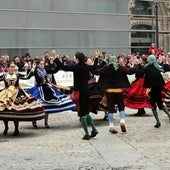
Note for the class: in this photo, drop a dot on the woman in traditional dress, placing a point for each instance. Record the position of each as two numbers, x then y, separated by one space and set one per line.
135 97
15 104
47 93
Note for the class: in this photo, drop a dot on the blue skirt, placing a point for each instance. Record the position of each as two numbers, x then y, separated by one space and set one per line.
60 103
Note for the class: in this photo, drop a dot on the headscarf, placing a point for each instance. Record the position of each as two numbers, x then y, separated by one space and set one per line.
152 61
113 60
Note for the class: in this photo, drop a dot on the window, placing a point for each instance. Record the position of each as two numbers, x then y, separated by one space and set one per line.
142 8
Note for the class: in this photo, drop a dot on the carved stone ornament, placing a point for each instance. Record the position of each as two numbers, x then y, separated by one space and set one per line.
167 5
138 22
131 4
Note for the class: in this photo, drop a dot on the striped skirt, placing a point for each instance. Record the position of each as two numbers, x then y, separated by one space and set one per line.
56 102
16 104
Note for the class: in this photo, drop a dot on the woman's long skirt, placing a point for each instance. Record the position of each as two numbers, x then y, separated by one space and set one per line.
136 96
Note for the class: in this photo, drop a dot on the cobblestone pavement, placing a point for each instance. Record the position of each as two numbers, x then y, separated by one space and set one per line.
61 148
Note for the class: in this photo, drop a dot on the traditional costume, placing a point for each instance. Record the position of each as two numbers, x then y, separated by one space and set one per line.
154 81
136 97
81 77
114 80
15 103
51 98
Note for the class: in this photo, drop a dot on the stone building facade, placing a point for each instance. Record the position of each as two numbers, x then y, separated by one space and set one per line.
117 26
144 23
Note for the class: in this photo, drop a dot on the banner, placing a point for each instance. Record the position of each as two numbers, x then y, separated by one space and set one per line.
64 78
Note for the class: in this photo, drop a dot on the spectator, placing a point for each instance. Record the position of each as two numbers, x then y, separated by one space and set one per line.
27 57
3 63
51 68
67 60
153 50
19 63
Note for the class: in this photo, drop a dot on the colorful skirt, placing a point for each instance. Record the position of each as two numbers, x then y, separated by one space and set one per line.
166 94
136 96
16 104
61 101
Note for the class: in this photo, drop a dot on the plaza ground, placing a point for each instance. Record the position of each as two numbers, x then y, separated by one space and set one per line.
61 147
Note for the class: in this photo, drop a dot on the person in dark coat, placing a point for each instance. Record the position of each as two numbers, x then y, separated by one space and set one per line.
19 63
51 68
114 81
155 82
81 76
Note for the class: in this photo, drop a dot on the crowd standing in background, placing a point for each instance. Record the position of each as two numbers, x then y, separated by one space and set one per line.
134 96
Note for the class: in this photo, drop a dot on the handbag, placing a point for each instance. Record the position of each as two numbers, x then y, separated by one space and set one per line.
75 95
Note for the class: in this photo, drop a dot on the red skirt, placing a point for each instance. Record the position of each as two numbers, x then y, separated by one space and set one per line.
166 94
135 97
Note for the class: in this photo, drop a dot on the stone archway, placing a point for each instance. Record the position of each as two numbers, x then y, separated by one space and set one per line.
164 21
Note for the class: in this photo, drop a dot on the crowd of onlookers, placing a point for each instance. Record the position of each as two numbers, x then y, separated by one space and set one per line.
25 62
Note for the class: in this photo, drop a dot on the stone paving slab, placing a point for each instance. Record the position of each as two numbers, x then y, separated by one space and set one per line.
61 147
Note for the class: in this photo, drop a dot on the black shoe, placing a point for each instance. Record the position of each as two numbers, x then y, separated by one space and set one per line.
5 131
16 133
140 113
94 133
157 125
46 125
34 124
86 137
94 110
